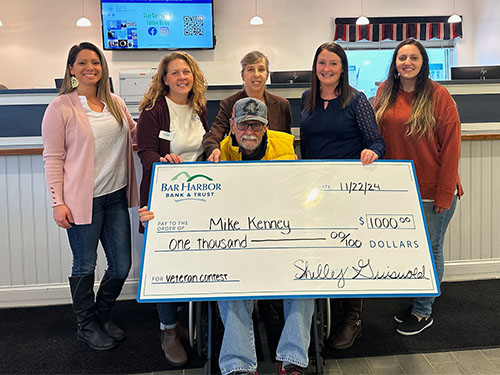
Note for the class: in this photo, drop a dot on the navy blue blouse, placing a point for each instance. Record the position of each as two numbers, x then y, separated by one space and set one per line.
336 133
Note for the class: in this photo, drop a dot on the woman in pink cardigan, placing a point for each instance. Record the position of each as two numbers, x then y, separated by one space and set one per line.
87 135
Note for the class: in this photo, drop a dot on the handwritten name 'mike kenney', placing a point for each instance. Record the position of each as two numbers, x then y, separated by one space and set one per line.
362 270
252 223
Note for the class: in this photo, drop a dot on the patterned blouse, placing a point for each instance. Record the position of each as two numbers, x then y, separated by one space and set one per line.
336 133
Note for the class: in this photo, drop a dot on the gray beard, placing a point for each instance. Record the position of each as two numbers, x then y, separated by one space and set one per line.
249 137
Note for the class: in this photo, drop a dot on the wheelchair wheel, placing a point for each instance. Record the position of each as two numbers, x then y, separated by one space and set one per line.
321 331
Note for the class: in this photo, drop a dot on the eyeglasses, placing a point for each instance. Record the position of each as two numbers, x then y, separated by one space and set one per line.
256 126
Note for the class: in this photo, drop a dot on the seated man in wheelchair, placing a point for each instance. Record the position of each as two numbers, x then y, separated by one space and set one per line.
251 140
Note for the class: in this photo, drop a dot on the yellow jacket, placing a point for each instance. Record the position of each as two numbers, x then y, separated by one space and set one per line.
279 147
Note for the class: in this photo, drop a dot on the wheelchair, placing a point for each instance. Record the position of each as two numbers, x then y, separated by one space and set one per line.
206 330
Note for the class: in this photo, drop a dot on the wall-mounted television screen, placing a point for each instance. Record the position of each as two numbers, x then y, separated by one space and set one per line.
157 24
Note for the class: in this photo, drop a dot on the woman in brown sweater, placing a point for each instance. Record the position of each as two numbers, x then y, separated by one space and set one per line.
254 73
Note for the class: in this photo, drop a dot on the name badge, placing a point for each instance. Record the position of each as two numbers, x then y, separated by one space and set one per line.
165 135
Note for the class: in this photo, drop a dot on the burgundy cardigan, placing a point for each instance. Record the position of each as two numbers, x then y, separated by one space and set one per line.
150 146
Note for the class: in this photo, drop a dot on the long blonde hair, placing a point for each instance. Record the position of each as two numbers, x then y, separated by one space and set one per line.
157 88
422 121
103 88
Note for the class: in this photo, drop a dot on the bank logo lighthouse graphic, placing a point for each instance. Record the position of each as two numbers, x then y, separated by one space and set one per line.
198 187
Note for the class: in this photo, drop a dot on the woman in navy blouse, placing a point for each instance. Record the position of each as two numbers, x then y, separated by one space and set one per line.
337 122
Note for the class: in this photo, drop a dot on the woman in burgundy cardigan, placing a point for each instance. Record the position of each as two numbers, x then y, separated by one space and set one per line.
171 126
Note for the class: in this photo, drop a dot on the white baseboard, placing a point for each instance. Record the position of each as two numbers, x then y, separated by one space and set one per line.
465 270
58 294
50 294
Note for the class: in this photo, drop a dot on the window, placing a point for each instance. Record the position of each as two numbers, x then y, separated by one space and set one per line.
370 47
369 67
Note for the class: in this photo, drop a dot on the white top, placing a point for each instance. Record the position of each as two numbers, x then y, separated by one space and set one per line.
110 150
186 131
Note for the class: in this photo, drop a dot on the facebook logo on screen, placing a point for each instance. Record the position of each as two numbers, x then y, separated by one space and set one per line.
152 31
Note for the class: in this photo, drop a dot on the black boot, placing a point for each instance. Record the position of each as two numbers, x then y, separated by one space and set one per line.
108 292
89 331
351 328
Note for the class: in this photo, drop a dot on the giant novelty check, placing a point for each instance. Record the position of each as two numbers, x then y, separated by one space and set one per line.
285 229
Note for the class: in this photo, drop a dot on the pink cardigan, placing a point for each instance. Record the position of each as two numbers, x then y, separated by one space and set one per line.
69 156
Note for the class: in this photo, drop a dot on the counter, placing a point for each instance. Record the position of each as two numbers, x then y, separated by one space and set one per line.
36 258
21 111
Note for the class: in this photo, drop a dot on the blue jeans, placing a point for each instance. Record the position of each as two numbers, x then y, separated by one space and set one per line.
238 344
436 226
110 225
167 312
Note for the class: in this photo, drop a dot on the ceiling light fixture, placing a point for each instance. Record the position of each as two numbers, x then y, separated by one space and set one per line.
454 18
83 21
1 24
256 20
362 20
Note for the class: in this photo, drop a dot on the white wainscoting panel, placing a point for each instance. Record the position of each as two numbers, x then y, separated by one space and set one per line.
35 258
474 232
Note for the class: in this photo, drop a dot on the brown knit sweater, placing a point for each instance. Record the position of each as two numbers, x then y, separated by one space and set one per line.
436 159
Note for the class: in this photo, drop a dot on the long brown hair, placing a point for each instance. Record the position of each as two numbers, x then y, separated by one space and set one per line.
157 88
422 121
103 88
343 89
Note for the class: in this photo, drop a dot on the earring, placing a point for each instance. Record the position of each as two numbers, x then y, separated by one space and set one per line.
74 82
